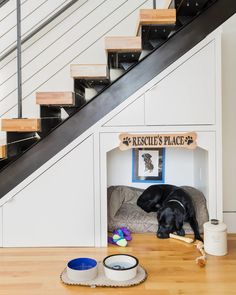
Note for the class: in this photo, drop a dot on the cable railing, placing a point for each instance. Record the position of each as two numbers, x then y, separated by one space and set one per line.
39 28
20 42
79 37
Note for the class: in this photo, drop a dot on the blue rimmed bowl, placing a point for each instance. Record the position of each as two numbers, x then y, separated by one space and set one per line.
82 269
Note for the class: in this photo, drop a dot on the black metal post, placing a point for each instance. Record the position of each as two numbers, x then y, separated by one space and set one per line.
19 76
154 4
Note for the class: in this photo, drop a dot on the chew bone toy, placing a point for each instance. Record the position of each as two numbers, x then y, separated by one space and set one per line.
184 239
201 260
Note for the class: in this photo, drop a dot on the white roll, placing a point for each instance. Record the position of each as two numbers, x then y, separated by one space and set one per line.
215 237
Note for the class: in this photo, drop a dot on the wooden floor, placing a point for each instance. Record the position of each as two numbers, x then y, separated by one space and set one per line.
170 265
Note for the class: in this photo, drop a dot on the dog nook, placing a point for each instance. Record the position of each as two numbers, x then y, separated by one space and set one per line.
182 159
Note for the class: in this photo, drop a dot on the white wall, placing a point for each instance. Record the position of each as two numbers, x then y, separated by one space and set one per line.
229 121
201 170
176 160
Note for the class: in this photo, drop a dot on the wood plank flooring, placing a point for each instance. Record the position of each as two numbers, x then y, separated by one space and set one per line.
170 265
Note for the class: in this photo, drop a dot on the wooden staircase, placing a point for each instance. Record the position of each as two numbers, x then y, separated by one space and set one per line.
122 52
154 27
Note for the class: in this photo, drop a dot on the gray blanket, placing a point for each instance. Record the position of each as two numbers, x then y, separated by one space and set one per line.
123 211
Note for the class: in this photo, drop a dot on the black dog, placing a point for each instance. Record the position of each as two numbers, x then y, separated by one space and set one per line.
173 206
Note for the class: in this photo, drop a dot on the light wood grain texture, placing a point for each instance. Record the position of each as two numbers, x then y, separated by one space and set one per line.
21 125
89 71
3 151
170 265
55 98
123 44
155 17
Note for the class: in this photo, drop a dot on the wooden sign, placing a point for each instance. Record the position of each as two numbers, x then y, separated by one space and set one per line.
183 140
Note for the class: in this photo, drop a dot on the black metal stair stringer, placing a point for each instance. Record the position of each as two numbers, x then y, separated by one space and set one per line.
153 64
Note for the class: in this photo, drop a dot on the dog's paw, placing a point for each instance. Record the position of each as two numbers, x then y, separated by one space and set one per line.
126 141
189 140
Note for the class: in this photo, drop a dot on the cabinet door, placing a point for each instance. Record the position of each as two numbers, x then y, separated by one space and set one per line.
186 96
57 208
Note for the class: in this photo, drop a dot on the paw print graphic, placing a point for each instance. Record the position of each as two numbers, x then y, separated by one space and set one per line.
189 140
126 141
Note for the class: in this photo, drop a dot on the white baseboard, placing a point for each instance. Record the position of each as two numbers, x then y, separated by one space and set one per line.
229 220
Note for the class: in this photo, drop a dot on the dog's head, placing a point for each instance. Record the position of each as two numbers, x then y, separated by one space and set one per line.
169 220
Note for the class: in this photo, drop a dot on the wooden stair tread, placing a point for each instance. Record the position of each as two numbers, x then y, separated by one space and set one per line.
156 17
123 44
21 125
3 151
55 98
91 71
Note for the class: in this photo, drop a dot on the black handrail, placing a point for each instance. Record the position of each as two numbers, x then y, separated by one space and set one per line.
39 28
3 2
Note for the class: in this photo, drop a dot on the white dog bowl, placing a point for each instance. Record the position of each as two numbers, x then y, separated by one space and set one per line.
120 267
82 269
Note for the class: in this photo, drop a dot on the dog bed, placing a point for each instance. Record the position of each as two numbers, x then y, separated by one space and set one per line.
123 210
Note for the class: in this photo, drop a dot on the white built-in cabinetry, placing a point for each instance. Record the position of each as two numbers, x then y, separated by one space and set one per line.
64 203
57 208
